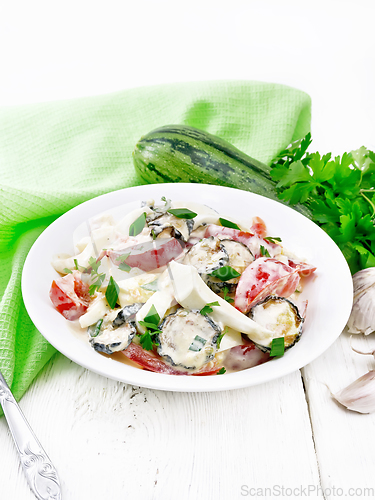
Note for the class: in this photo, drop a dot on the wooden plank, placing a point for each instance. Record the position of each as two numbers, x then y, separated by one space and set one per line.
344 439
110 440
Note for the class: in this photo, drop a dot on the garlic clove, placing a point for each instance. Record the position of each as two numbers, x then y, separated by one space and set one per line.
359 396
364 279
362 317
368 353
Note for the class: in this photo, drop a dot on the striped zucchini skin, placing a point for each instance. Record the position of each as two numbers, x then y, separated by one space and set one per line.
177 153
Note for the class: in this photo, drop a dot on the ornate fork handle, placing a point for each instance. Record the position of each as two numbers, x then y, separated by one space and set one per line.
40 472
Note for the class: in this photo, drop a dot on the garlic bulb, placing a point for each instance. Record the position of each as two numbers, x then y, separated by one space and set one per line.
360 395
362 318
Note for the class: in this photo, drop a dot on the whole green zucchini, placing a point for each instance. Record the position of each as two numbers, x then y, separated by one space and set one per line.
177 153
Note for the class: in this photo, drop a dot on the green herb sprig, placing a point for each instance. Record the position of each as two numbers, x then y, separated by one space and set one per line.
277 347
149 339
272 239
123 266
182 213
340 193
207 309
225 273
112 293
137 226
264 252
228 223
225 295
220 337
96 277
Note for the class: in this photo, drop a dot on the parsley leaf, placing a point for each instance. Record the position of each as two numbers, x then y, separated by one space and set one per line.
152 286
67 271
182 213
137 226
123 266
272 239
152 316
207 309
225 295
264 252
277 347
340 193
96 278
94 265
197 344
221 371
112 293
220 337
225 273
146 341
228 223
151 322
148 325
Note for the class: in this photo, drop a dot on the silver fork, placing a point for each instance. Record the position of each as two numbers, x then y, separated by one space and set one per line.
38 468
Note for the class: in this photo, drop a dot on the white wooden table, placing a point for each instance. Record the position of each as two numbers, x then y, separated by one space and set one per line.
284 439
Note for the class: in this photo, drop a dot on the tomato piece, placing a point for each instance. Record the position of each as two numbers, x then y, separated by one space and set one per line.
154 363
304 269
262 278
258 227
252 241
228 232
244 356
149 255
70 296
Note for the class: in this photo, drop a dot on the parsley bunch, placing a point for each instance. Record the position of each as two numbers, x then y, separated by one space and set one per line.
340 193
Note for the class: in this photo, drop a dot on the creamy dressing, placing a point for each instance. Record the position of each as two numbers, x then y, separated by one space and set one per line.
187 339
183 342
280 317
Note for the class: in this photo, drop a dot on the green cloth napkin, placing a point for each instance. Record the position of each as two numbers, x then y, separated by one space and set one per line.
56 155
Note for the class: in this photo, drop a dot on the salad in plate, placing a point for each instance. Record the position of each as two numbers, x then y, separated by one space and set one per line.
178 288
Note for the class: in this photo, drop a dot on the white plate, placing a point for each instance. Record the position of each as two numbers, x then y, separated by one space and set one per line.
329 294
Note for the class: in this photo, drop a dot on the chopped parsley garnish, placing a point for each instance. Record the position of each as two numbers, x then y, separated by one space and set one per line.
96 278
93 265
220 337
152 286
207 309
147 324
123 266
197 344
153 234
137 226
277 347
112 292
225 273
182 213
221 371
151 321
67 271
76 264
152 316
272 239
225 295
264 252
95 330
146 341
228 223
